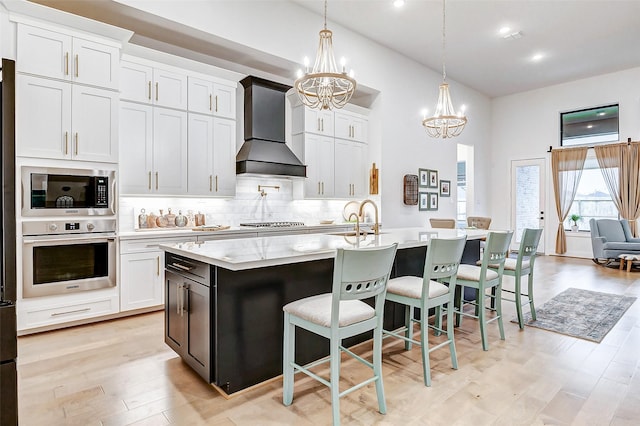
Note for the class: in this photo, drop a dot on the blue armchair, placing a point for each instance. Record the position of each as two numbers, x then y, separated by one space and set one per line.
611 238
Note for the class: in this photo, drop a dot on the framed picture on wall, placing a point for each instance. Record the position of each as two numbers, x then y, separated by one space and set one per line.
423 178
432 200
433 179
445 188
423 201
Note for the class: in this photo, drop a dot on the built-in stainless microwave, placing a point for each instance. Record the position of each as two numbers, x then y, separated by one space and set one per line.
56 191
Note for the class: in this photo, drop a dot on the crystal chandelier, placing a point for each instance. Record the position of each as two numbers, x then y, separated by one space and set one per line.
324 87
445 123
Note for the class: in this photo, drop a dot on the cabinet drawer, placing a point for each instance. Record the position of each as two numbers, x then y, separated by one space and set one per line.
151 244
61 313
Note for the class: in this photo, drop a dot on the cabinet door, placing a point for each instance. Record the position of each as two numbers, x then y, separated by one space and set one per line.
197 305
170 89
95 63
175 322
135 82
136 148
351 126
224 101
43 52
43 118
351 161
200 155
141 280
224 157
169 151
200 96
95 124
319 157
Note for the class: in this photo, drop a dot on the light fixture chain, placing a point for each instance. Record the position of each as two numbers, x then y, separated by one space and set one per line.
444 35
325 14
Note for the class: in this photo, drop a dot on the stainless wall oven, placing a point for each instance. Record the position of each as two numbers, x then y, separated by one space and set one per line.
68 256
57 191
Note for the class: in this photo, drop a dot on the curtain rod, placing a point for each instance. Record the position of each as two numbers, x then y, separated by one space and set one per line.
591 147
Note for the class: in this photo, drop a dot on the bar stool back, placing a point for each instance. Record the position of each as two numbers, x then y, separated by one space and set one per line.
358 274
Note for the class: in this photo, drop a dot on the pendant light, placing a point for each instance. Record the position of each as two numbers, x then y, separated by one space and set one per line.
445 123
324 87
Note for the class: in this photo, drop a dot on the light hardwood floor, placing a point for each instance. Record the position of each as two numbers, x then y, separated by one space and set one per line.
120 372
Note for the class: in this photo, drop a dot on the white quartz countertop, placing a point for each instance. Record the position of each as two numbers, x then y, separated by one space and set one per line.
180 232
249 253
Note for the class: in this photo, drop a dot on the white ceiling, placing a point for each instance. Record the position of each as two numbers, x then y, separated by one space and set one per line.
578 38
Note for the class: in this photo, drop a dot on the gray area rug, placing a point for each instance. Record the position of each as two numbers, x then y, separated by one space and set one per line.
585 314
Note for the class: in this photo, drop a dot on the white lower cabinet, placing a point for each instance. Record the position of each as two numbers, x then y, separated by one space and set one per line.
38 312
142 272
142 280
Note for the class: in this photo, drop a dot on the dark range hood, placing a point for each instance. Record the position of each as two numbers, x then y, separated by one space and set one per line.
264 150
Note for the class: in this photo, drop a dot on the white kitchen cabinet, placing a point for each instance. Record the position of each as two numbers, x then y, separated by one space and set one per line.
212 97
142 280
211 156
350 125
136 148
169 151
58 120
351 160
67 56
142 82
153 156
142 271
312 121
318 154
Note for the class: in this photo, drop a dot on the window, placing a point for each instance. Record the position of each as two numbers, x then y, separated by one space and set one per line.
592 199
589 126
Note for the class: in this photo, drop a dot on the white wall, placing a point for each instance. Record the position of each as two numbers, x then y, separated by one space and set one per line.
524 125
399 145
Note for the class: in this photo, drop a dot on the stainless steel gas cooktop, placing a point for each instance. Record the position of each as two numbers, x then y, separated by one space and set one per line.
273 224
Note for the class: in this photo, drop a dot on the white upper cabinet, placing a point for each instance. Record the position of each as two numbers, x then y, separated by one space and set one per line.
67 56
312 121
156 86
350 125
351 169
71 121
211 156
212 97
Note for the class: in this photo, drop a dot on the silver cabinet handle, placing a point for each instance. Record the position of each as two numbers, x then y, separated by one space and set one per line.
158 269
322 188
149 95
66 143
157 181
216 183
156 91
76 143
149 181
77 64
319 188
210 102
210 183
178 299
216 103
55 314
66 63
318 124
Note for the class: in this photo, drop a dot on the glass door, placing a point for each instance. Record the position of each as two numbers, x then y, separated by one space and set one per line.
528 198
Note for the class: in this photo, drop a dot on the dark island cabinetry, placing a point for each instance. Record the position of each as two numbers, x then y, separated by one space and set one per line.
189 308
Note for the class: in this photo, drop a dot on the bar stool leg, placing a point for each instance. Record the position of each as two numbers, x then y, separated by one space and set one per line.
621 263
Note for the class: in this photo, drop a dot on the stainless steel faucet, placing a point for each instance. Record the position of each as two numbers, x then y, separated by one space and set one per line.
376 225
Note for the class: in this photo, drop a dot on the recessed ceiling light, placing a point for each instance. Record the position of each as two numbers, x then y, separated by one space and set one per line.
537 57
512 34
504 30
398 3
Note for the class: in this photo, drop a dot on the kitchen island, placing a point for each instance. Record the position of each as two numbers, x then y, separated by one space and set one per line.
226 320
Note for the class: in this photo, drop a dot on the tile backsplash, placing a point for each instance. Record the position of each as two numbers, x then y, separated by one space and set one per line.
247 206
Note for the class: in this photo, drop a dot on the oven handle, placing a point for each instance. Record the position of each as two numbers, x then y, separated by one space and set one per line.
69 239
